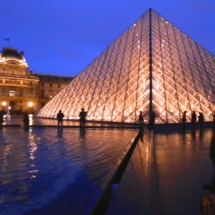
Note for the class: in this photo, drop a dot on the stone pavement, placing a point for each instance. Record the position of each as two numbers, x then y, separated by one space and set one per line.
165 175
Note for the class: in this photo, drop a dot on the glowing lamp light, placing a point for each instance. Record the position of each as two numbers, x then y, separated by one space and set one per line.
30 104
4 103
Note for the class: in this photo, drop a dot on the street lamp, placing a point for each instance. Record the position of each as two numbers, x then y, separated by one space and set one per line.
8 112
30 106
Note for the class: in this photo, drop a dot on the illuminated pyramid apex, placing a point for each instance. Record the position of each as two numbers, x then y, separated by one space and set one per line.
152 66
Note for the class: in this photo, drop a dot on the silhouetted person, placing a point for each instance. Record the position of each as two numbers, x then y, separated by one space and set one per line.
151 121
141 120
193 120
184 119
26 119
60 116
1 118
201 119
82 115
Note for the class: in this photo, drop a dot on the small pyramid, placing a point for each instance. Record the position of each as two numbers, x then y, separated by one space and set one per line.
152 66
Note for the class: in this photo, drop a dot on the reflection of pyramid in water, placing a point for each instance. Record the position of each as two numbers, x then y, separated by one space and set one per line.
151 66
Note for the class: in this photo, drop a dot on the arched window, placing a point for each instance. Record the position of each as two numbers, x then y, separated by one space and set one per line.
12 104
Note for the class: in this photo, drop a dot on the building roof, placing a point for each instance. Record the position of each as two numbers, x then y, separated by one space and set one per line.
52 78
8 54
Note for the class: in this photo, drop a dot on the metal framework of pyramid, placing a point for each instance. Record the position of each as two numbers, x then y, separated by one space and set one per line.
152 66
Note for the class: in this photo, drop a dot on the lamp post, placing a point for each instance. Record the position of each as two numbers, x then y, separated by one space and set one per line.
30 105
8 112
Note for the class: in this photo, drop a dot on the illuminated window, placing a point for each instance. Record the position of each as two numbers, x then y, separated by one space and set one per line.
50 94
12 91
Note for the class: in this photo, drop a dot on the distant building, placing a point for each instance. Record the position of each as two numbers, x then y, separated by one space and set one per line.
22 90
50 86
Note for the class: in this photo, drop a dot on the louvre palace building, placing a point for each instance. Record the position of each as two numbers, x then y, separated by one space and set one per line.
22 90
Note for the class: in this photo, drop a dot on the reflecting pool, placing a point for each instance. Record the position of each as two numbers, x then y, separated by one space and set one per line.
38 165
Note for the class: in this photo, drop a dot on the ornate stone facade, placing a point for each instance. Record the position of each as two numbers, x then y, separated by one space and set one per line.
21 90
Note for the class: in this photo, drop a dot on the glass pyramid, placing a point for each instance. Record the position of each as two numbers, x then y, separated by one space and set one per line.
152 66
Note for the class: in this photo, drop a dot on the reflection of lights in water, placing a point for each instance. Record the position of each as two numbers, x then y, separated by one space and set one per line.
6 153
55 165
32 149
147 153
30 119
4 117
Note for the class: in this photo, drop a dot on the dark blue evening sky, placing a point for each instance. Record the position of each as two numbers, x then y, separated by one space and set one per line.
63 37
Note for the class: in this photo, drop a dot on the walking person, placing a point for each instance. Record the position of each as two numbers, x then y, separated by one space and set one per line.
141 120
193 120
184 119
82 115
60 117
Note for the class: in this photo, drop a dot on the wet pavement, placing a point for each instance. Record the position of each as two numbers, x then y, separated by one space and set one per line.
165 175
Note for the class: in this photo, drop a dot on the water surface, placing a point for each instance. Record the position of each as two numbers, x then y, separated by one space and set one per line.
38 164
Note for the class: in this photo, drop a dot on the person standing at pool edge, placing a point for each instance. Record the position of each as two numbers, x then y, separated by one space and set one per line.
184 119
82 115
60 116
193 120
